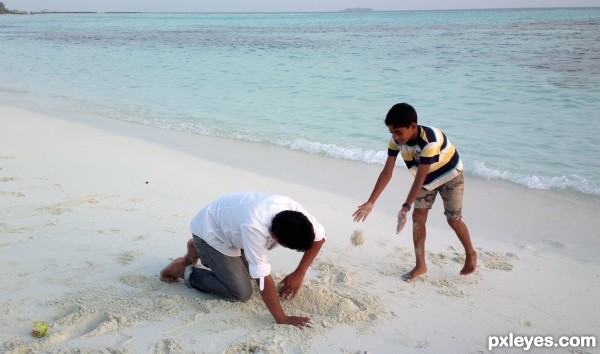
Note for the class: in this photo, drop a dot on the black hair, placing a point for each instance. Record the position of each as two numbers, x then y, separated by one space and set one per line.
401 115
293 230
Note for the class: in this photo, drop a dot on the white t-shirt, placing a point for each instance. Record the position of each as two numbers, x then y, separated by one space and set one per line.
243 221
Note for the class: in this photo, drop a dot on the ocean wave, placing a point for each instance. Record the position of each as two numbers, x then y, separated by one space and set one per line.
581 184
300 144
331 150
575 182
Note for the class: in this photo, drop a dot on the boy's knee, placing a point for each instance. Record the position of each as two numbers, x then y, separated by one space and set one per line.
454 223
419 216
241 292
242 295
245 298
453 215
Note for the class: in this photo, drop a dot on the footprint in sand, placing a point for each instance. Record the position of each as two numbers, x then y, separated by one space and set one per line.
497 261
525 323
449 288
247 347
333 274
74 322
68 205
169 345
127 257
12 194
67 314
141 281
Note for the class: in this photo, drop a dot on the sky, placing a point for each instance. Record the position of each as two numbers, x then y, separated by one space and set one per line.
280 5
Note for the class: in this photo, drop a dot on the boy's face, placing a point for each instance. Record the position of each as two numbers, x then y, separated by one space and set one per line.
403 135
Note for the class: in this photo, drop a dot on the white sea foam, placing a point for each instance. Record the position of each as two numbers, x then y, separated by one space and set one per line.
573 182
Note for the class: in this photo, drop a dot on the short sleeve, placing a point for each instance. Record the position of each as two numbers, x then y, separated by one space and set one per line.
393 149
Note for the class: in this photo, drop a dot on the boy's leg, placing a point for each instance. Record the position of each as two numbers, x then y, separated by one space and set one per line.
470 254
452 194
423 203
419 217
192 255
174 271
227 278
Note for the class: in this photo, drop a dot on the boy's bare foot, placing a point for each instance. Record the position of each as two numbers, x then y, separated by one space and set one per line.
470 264
174 271
191 257
414 274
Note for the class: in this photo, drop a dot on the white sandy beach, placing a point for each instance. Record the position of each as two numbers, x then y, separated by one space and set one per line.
89 215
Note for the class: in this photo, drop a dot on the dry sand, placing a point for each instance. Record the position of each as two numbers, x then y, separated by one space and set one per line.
89 214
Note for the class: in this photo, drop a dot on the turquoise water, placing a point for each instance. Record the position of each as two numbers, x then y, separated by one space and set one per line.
517 91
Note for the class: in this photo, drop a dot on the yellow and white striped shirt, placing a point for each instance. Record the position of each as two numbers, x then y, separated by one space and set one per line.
432 147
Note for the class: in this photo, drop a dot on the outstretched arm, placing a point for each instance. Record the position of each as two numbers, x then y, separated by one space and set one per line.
290 285
384 177
269 296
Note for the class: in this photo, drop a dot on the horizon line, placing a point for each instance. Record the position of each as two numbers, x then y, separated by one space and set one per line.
368 10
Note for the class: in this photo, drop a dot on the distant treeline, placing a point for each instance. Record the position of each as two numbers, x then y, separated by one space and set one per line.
83 12
358 9
4 10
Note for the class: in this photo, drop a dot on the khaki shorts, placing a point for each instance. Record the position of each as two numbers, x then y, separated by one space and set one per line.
452 195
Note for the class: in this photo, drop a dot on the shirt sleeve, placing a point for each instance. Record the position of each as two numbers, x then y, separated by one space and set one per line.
319 229
255 245
393 149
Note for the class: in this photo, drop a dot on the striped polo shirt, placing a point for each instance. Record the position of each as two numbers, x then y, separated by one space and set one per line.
432 147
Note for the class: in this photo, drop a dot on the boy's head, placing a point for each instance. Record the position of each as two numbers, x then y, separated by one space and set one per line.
401 115
293 230
401 120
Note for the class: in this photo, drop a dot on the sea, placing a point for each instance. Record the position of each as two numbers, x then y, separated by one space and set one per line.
516 90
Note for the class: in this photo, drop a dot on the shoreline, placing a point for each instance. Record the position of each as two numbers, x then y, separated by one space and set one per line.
170 139
298 168
99 210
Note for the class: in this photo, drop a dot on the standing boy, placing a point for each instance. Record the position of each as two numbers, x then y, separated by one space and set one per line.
435 163
232 236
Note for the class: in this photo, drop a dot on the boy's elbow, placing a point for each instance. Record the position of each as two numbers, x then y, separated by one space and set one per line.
318 244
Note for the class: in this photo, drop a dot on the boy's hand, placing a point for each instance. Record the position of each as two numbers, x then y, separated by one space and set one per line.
300 322
290 285
363 211
401 220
